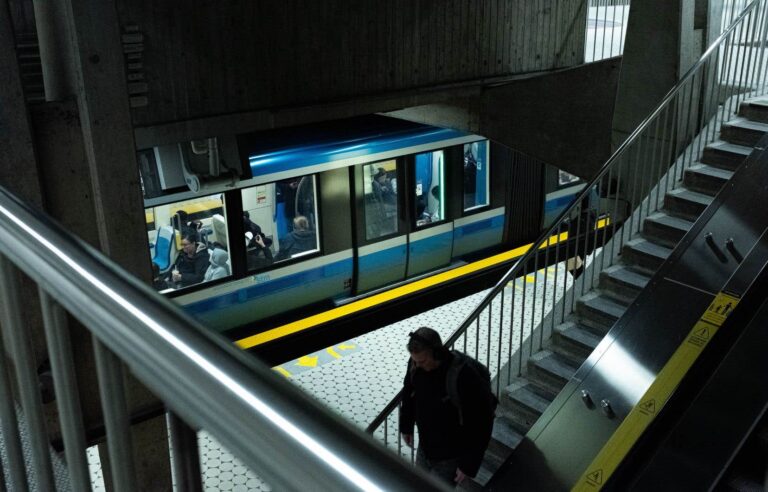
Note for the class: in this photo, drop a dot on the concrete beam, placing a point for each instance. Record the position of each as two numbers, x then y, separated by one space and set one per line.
561 118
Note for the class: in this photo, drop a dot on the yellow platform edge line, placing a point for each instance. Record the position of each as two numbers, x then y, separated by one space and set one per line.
357 306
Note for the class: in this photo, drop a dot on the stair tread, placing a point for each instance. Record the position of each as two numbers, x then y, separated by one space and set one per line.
626 275
648 247
573 331
708 170
552 363
505 434
529 399
744 123
693 196
603 303
670 221
732 148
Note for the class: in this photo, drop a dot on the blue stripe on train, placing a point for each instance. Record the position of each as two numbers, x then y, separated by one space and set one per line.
383 259
559 202
307 156
289 282
491 223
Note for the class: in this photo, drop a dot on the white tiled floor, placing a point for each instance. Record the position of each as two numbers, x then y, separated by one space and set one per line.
359 377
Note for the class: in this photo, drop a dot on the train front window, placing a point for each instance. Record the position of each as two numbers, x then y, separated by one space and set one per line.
380 189
476 175
429 188
188 242
280 221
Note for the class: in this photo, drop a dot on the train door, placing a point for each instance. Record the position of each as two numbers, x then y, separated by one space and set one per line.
431 238
382 241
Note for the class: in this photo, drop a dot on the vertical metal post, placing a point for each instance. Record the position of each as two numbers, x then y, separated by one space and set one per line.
663 167
26 375
17 478
67 394
499 348
763 35
186 460
112 391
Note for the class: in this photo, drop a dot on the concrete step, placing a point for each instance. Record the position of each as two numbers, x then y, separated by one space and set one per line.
665 229
525 404
549 370
623 283
741 131
598 312
644 254
706 179
574 342
504 440
725 155
686 204
755 110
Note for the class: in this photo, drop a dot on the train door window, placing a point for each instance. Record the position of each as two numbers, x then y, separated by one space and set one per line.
188 242
429 187
380 188
476 175
280 221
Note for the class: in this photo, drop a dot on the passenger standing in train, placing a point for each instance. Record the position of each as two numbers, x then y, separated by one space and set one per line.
192 263
218 268
300 239
381 189
451 403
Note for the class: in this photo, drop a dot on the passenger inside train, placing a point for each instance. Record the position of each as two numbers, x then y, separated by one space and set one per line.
300 240
192 264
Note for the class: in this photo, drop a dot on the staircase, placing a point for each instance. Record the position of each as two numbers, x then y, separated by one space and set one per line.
527 397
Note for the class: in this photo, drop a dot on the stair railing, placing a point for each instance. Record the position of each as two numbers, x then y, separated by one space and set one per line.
540 291
287 438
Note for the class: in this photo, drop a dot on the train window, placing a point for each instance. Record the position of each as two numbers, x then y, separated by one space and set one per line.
476 175
380 187
280 221
429 189
188 242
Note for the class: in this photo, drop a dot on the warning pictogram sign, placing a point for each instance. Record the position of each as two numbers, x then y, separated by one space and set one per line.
595 477
722 306
701 334
648 407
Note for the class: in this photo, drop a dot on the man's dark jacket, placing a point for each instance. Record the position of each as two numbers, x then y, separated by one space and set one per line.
426 403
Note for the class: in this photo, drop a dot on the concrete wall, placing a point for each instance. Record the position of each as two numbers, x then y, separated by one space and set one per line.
196 59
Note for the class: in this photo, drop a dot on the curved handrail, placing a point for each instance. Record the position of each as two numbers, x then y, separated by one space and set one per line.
557 223
272 426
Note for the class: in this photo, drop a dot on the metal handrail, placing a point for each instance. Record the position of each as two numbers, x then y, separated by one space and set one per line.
574 210
272 426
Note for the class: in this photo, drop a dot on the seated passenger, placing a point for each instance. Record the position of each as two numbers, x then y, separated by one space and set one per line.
219 267
300 239
259 255
255 230
191 265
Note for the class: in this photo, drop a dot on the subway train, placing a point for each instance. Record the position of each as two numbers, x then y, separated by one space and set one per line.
246 230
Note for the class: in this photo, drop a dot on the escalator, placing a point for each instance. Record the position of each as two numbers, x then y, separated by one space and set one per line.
611 425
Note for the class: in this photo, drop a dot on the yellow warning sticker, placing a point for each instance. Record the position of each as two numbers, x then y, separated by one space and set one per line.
721 307
638 419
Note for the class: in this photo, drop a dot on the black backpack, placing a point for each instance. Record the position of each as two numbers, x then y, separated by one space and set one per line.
458 362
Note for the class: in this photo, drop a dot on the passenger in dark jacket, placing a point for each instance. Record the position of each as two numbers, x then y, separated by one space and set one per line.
300 239
448 448
191 263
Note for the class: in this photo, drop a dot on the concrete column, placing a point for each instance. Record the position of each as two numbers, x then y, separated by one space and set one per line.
107 135
660 47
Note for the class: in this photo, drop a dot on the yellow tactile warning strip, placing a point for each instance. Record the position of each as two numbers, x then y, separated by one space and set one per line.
641 416
390 295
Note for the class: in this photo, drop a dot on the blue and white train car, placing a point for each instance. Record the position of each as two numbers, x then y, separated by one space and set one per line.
323 213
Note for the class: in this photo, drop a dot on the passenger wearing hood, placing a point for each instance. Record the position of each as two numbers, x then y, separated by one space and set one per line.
219 267
300 239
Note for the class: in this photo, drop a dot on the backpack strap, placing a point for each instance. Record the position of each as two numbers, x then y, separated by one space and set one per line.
458 361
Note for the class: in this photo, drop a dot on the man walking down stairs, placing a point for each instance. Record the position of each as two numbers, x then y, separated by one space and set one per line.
526 398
